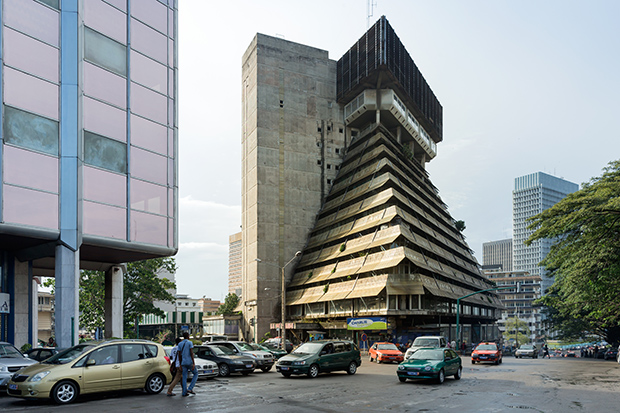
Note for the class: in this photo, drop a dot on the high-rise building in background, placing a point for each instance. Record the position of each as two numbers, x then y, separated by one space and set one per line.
87 152
533 194
498 253
334 158
234 264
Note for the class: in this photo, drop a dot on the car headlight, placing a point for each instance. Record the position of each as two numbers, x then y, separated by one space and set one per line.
3 367
39 376
401 367
238 362
299 363
428 368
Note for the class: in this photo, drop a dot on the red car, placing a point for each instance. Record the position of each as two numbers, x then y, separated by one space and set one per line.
382 352
486 352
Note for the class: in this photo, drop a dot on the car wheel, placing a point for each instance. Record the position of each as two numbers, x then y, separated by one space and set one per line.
286 374
352 368
458 374
500 361
441 377
496 362
402 379
266 369
224 370
473 362
155 384
370 359
313 371
65 392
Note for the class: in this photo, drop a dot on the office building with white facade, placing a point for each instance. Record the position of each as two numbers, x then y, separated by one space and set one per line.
498 253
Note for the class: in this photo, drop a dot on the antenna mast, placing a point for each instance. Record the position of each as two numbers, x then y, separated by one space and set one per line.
370 5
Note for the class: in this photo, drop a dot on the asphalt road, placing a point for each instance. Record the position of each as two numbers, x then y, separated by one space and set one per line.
539 385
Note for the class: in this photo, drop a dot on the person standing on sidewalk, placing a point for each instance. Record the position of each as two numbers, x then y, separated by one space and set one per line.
174 360
187 364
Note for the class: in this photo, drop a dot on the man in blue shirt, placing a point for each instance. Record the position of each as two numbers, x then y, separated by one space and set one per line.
187 364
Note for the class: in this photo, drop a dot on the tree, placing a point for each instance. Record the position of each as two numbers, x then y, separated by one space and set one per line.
518 330
229 305
584 258
460 225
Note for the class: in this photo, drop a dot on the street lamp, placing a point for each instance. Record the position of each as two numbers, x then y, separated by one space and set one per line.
283 329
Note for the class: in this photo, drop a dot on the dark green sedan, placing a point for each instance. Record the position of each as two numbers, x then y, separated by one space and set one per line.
431 363
275 351
321 356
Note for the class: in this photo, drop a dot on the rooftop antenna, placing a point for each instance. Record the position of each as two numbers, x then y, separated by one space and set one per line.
370 5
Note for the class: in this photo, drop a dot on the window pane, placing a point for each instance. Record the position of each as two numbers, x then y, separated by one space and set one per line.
30 131
30 55
171 142
33 19
106 86
170 172
148 166
104 220
170 52
171 23
106 187
151 12
105 119
28 207
30 93
105 52
170 202
148 104
148 135
52 3
119 4
171 82
148 197
150 229
106 19
171 233
148 41
30 169
105 153
148 72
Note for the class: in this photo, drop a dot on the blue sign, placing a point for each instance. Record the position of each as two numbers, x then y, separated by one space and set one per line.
184 328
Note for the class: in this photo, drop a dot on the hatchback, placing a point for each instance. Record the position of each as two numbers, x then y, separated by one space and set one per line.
486 352
94 367
385 352
431 363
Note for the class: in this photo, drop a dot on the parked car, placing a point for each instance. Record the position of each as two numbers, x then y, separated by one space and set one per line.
276 341
263 360
486 352
211 338
526 350
11 361
431 363
207 369
426 342
275 351
41 353
321 356
382 352
227 360
94 367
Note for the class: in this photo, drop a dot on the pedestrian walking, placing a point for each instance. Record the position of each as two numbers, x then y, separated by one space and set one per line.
546 351
175 362
187 364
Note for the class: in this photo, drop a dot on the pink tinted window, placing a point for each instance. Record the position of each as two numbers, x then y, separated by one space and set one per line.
119 4
171 142
104 186
171 112
28 207
104 220
148 72
148 166
106 19
105 119
170 172
170 23
32 18
148 135
31 94
171 82
148 41
170 52
170 202
151 12
149 104
148 197
149 229
30 55
104 85
30 169
171 233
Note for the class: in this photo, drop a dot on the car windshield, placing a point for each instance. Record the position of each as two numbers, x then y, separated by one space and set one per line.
526 347
427 355
246 347
386 347
222 351
8 351
486 347
308 348
270 346
426 342
69 354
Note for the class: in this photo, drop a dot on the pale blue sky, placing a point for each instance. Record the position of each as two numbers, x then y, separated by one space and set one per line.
526 86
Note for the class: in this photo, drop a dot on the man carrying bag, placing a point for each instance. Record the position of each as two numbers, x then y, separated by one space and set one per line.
175 367
187 364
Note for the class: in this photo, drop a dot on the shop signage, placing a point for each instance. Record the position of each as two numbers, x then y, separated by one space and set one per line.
367 323
5 299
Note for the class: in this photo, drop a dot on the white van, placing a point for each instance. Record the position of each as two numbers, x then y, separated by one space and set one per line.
210 338
426 342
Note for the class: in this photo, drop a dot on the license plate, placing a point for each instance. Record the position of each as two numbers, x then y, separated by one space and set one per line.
283 368
483 358
12 386
413 373
248 366
208 371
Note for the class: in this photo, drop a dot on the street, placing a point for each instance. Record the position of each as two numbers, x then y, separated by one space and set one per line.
538 385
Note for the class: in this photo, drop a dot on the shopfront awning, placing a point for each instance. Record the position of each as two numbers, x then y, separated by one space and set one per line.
404 284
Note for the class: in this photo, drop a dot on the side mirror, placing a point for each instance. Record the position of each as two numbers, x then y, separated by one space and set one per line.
323 352
91 362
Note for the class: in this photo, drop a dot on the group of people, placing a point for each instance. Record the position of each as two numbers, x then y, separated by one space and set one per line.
182 357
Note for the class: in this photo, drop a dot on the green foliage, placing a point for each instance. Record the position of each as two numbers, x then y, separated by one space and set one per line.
342 247
333 270
584 259
518 330
25 347
310 274
229 305
325 288
460 225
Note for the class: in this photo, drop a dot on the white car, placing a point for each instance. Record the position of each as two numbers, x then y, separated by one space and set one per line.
207 369
426 342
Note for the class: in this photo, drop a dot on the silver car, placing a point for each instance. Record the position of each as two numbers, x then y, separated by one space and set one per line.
264 360
11 360
207 369
527 350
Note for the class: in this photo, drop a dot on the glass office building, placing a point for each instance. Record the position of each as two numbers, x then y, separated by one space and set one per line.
88 149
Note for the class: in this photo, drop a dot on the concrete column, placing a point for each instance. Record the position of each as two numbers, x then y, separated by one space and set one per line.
378 117
399 134
113 310
67 298
34 309
22 304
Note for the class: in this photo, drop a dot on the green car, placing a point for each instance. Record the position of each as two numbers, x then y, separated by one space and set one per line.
277 352
431 363
321 356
